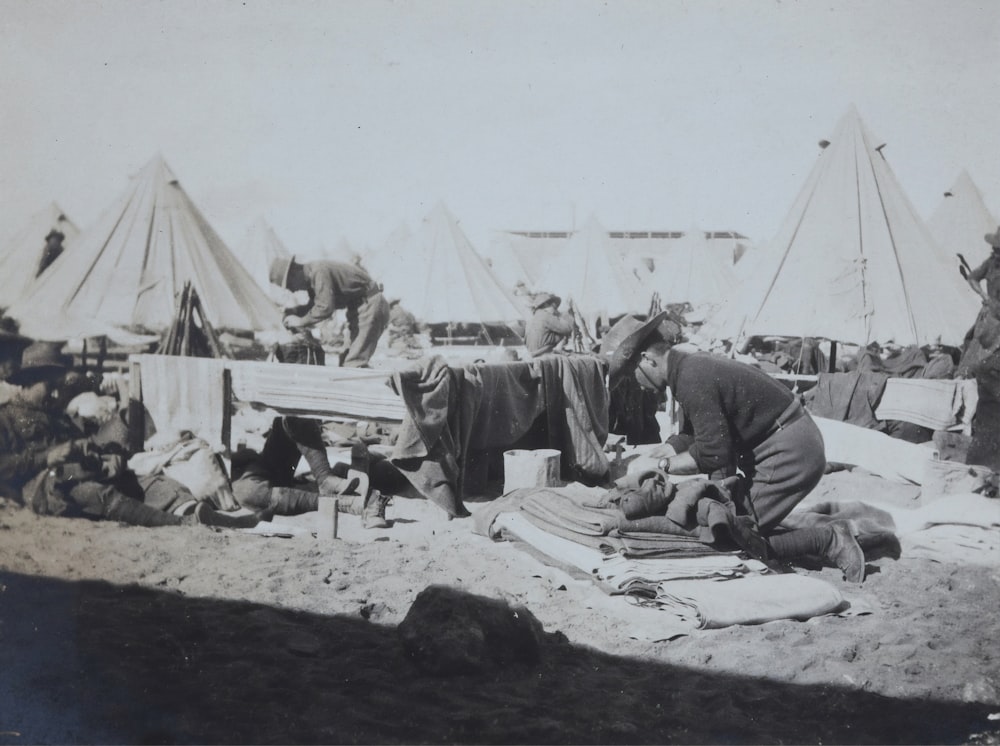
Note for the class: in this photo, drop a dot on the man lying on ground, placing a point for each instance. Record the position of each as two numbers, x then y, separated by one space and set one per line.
48 464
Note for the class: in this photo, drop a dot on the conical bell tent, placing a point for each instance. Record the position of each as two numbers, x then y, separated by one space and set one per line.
20 260
960 222
439 277
261 246
590 272
130 268
853 262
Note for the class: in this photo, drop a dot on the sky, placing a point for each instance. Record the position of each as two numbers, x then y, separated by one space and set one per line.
342 119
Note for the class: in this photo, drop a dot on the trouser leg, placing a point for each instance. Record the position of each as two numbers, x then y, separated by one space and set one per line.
292 501
104 501
163 493
787 466
373 318
308 438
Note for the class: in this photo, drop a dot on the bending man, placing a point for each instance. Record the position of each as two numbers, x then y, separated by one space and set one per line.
332 286
743 422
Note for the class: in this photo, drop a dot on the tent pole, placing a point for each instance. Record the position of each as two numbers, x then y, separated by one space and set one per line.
833 356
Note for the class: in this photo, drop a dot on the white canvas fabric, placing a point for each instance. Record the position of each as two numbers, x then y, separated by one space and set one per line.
691 271
20 256
593 274
853 262
438 276
960 222
128 269
259 248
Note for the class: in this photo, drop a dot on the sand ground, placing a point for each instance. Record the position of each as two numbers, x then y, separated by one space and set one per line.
114 634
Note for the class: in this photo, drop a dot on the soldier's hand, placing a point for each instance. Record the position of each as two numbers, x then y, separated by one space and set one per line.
293 322
61 453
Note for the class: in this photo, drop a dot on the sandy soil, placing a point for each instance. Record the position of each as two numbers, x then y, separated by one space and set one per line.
193 635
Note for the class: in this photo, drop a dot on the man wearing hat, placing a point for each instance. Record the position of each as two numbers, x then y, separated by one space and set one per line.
990 269
984 336
742 422
332 286
46 463
547 329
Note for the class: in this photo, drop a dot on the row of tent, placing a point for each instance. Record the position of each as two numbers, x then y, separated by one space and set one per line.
852 262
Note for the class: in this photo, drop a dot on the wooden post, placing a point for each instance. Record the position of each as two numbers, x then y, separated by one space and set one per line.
227 410
136 412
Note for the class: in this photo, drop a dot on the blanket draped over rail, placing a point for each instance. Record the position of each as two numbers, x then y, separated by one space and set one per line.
452 413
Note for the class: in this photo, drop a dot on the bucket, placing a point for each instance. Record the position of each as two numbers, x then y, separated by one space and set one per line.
522 468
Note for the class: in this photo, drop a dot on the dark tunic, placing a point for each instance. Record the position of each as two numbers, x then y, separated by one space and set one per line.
332 286
731 406
26 434
989 271
742 418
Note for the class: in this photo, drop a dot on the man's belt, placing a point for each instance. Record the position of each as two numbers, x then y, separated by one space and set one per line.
793 412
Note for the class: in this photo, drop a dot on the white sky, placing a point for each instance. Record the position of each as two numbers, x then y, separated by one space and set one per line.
336 119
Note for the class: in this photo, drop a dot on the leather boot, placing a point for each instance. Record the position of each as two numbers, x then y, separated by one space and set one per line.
373 514
843 551
206 516
879 545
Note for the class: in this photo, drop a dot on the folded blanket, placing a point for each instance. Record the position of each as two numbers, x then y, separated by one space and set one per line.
937 405
749 600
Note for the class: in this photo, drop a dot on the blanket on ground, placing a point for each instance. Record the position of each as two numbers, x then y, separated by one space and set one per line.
750 600
453 413
686 590
590 517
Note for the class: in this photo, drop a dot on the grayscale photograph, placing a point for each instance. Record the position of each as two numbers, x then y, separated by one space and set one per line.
499 372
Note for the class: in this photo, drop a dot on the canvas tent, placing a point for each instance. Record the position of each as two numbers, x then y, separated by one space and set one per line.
693 272
259 248
344 251
19 260
595 276
439 277
960 221
379 260
129 269
852 261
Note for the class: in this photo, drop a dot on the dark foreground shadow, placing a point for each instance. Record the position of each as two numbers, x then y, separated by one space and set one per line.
90 662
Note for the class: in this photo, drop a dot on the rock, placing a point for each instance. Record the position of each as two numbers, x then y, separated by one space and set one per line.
980 690
448 631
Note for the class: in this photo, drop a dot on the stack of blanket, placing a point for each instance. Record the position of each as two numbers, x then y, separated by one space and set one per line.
671 572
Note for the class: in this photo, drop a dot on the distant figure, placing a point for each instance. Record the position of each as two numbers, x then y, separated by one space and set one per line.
403 328
53 248
547 329
332 286
984 337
